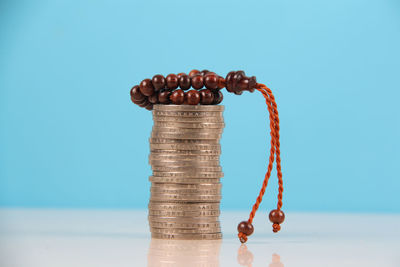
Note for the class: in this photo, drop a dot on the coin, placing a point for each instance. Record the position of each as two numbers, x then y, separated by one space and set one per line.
185 135
187 163
185 146
190 125
187 236
185 231
186 130
183 207
156 191
185 197
183 180
184 213
187 186
189 107
177 157
183 141
186 114
183 225
189 175
171 168
188 119
184 152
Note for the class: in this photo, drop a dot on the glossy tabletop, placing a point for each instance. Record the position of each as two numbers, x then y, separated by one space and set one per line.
121 238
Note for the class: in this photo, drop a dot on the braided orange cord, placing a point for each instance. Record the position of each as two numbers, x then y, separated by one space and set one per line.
274 151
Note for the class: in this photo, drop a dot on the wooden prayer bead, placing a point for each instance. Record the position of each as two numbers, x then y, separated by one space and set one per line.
197 81
177 97
276 216
184 82
144 103
149 106
211 81
192 97
218 97
163 97
221 82
193 73
245 227
146 87
158 82
136 94
172 81
207 97
204 72
153 98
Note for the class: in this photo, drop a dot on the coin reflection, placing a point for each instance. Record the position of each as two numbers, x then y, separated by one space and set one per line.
183 253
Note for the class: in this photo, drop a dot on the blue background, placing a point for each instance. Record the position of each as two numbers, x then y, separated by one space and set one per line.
70 137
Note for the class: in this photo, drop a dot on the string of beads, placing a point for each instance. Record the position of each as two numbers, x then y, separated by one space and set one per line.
174 89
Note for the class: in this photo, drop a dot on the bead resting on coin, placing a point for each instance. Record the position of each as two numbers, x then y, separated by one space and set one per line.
185 150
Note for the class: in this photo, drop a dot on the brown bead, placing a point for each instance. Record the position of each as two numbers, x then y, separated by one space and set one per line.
192 97
177 97
184 82
137 102
221 82
180 74
276 216
204 72
172 81
211 81
246 228
144 103
158 82
136 94
149 106
146 87
153 98
193 73
163 97
207 97
218 97
197 81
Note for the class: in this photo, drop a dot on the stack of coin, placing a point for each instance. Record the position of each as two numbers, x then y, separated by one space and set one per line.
186 188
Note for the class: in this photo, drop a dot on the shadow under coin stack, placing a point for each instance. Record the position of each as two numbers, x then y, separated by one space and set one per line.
186 189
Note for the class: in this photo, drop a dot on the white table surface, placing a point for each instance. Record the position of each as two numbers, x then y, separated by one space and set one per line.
33 237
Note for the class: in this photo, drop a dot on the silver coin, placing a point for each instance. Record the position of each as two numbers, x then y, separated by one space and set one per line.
184 152
185 198
185 231
183 225
182 158
195 164
194 114
184 207
190 125
189 107
172 168
183 141
186 130
185 146
157 191
188 119
185 135
187 236
191 219
183 180
189 175
164 186
184 213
